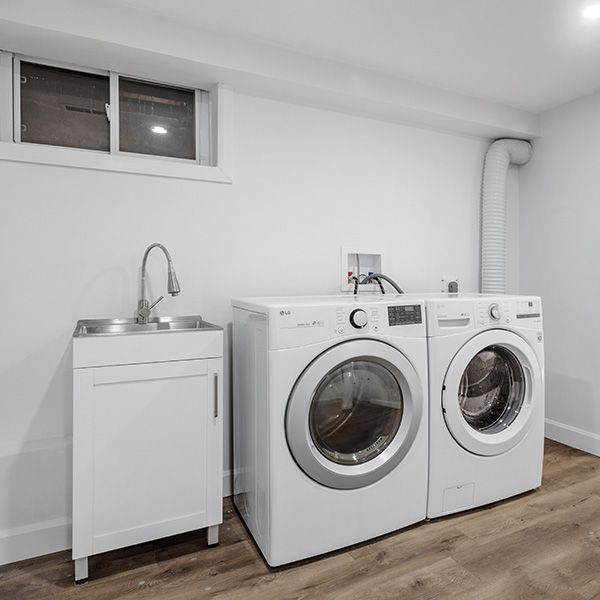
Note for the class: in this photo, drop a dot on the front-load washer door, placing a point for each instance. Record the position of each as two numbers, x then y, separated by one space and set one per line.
491 391
354 413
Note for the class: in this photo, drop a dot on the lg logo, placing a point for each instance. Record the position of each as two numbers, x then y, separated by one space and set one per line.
285 312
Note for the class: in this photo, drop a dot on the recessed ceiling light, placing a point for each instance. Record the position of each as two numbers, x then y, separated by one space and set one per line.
592 12
158 129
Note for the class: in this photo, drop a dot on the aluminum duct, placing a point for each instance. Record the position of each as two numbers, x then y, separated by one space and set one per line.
500 155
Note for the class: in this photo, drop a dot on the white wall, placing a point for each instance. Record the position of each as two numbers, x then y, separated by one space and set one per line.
559 250
306 182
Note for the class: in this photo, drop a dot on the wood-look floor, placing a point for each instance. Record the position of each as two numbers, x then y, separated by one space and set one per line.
545 544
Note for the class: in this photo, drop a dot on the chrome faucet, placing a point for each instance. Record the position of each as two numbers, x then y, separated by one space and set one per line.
144 307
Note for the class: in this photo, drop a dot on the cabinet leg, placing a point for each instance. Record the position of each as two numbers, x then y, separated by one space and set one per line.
212 535
81 569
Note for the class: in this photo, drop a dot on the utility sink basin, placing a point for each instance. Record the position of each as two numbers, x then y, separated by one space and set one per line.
131 326
102 342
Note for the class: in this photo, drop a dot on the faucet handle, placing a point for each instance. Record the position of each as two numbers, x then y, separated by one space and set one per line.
155 302
144 309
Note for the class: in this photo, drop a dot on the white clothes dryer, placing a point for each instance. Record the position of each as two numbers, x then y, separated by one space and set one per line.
486 394
330 420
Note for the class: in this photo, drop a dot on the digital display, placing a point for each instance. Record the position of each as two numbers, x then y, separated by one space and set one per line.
404 315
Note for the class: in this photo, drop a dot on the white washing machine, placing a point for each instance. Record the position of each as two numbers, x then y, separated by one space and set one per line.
330 420
486 382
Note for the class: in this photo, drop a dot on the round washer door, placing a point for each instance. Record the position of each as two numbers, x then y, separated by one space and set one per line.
491 391
354 413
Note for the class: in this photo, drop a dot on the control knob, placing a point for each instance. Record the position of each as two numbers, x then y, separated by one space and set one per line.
358 318
494 311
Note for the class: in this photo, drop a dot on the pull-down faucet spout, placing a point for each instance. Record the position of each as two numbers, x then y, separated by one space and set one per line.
144 307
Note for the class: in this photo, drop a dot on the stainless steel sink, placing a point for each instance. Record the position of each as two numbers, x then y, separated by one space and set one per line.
94 327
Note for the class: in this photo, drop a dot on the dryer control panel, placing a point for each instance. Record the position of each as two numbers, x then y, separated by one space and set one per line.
506 310
466 312
494 312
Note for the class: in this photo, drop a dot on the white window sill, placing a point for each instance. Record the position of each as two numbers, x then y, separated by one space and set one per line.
118 163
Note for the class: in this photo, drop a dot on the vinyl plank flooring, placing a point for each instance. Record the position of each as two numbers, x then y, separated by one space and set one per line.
494 524
442 579
518 585
544 544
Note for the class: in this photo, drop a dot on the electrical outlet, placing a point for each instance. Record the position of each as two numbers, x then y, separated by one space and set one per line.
447 282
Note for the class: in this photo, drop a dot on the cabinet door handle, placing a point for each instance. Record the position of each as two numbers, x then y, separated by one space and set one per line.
216 390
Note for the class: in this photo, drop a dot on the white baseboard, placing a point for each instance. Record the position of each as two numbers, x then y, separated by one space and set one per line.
573 436
45 537
34 539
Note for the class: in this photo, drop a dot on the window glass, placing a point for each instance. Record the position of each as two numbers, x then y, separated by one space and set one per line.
356 412
63 107
156 119
492 390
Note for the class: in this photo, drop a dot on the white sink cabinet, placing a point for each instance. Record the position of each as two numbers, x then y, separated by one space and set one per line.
147 438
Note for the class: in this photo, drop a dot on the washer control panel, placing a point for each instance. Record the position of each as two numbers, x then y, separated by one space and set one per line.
359 318
379 318
408 314
298 324
350 320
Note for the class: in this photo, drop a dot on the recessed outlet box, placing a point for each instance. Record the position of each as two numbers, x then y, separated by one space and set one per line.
360 262
449 284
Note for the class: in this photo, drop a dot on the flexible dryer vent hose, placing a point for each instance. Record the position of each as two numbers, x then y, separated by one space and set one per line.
500 155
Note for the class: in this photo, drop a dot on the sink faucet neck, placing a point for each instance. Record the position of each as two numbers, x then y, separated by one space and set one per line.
145 259
144 308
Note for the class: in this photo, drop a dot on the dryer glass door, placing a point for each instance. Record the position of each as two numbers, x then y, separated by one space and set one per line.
356 411
492 390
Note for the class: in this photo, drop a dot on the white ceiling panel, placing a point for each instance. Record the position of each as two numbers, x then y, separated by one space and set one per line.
530 54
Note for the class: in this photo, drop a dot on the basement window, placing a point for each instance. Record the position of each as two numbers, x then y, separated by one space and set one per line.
156 119
64 108
96 110
89 118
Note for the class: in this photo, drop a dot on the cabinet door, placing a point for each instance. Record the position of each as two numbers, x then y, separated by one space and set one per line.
147 435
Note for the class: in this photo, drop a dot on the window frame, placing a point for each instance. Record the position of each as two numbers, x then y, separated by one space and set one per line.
212 107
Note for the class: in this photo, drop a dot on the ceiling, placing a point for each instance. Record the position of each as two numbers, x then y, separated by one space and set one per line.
530 54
